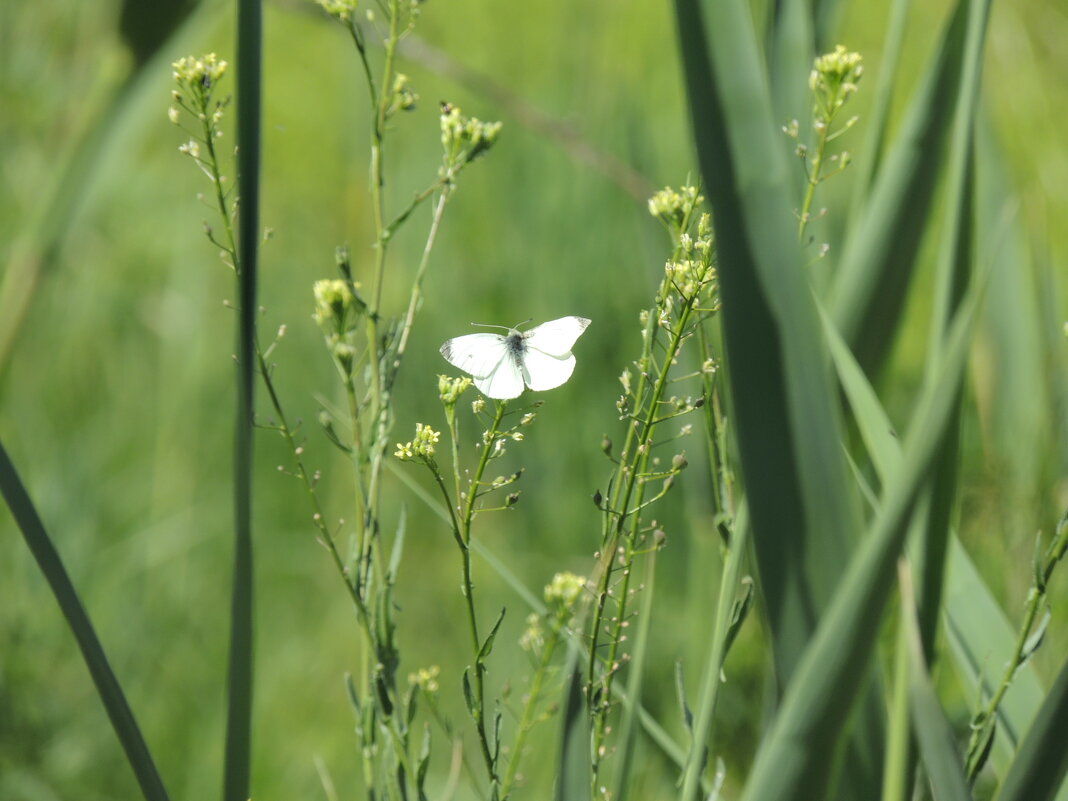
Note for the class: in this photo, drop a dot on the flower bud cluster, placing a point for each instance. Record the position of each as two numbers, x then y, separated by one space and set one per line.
675 207
450 389
342 10
422 447
200 72
464 138
834 78
196 79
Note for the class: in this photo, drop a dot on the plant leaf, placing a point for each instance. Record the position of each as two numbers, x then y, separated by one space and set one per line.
107 685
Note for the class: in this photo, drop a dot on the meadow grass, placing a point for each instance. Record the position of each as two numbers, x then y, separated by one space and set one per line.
122 362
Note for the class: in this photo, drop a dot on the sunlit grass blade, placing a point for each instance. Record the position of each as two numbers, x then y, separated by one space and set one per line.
879 255
237 768
107 685
1041 764
794 759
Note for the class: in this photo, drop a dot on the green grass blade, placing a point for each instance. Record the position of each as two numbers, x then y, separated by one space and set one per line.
573 765
1041 765
794 760
870 155
236 779
107 685
977 630
879 255
791 51
937 744
802 500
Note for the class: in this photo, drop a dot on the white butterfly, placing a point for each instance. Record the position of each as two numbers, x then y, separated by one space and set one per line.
540 358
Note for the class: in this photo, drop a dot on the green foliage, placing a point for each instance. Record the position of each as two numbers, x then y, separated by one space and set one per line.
794 371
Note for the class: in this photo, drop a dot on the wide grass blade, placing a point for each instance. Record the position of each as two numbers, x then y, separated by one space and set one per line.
802 500
793 762
977 630
1041 765
107 685
239 686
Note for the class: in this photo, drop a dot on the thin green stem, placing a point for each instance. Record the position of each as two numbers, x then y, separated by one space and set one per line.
637 467
526 721
1035 598
489 445
813 179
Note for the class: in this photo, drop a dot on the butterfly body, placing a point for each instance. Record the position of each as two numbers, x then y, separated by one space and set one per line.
502 366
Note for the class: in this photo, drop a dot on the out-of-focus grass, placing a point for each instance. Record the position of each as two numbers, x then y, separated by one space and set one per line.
117 406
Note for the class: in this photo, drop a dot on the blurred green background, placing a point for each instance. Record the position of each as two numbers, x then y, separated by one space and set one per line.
116 400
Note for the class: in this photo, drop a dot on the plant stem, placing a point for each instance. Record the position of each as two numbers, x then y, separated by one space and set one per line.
813 178
488 446
1035 597
526 722
640 467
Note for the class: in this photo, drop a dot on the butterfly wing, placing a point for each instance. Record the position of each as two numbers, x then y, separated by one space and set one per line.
556 337
547 359
542 371
505 382
487 358
477 354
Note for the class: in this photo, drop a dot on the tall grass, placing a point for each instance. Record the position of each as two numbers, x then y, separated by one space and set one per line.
751 435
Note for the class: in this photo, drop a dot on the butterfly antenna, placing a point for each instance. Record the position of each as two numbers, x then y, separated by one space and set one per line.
528 320
491 325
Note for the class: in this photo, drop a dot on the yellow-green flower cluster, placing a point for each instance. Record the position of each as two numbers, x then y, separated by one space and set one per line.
203 71
422 447
426 679
834 78
564 591
450 389
333 302
675 208
464 138
339 9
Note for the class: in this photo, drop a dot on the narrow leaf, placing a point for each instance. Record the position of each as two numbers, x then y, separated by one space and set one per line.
236 779
107 685
794 758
